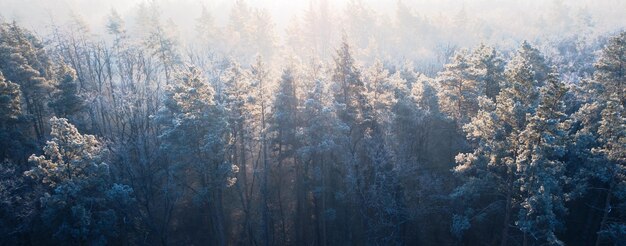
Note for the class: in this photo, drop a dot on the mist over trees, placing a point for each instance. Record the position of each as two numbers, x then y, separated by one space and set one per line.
349 125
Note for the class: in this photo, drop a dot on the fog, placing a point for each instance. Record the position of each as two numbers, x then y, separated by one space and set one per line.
312 122
423 27
498 14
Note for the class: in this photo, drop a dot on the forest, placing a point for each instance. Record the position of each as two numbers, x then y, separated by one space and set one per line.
354 127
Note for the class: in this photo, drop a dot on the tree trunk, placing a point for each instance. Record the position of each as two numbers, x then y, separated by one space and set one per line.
507 217
605 214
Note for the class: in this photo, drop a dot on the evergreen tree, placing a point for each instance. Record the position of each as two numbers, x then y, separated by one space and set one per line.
24 61
350 90
597 135
67 102
609 78
506 156
612 137
533 57
285 113
323 136
284 128
610 74
489 68
195 129
425 94
541 167
79 197
522 83
10 101
238 99
353 111
10 111
371 183
380 91
459 88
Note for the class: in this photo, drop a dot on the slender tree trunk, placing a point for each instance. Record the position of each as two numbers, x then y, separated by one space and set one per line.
282 213
301 220
265 192
507 217
323 213
217 218
605 213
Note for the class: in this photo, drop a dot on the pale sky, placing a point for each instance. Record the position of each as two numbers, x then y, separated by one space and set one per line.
507 15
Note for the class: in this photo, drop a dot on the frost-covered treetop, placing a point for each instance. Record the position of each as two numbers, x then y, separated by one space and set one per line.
68 156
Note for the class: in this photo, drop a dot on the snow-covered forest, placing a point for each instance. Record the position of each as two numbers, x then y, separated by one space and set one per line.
312 122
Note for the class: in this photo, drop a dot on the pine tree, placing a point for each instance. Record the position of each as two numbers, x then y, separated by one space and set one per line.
238 97
352 109
380 91
367 160
406 126
597 124
285 113
195 129
284 127
609 80
486 170
510 146
24 61
11 139
10 101
350 90
322 140
489 68
67 102
612 137
522 83
78 203
261 119
610 74
536 61
459 88
425 94
541 167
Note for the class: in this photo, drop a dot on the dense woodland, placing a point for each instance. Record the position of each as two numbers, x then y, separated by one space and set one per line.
139 139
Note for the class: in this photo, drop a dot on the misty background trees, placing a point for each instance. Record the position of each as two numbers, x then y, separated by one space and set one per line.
360 133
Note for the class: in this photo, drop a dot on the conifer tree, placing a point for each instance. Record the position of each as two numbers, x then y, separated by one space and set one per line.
596 146
541 167
459 88
610 74
79 197
496 132
612 137
323 138
195 129
532 56
489 68
10 101
67 101
24 61
11 139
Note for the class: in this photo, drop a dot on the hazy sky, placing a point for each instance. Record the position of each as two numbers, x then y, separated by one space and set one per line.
505 16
